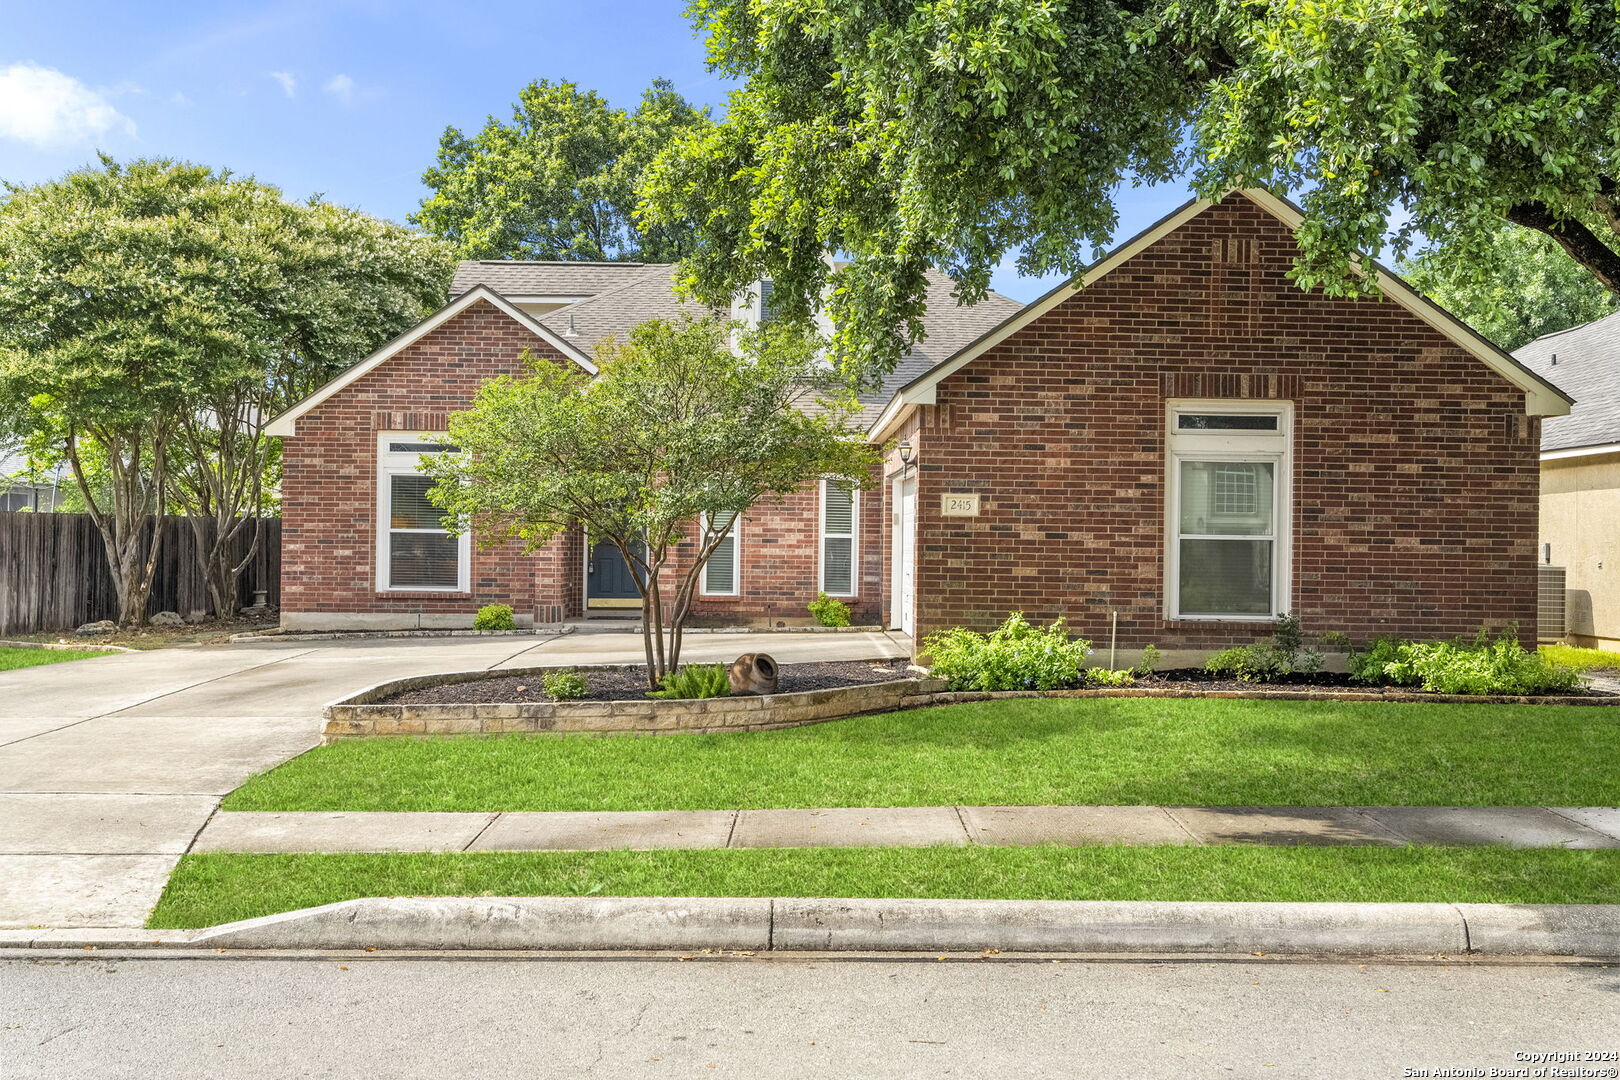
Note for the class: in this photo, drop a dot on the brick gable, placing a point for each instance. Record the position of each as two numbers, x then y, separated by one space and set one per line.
329 487
1415 471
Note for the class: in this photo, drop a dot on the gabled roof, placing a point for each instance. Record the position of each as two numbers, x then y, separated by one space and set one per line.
287 422
516 278
616 311
1542 398
1588 366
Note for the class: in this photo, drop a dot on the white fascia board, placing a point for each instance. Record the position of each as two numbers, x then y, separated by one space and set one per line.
1541 397
1580 452
287 423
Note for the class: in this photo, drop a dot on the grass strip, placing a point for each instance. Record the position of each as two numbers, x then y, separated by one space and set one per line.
13 658
210 889
1107 751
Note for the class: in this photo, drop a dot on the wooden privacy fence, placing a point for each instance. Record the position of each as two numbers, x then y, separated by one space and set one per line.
54 573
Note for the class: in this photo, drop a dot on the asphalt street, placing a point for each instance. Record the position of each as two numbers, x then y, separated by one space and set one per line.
378 1015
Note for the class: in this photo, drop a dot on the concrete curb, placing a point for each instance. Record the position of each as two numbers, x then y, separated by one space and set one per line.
371 635
943 926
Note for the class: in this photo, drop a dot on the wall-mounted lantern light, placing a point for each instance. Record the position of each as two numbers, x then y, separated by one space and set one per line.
905 451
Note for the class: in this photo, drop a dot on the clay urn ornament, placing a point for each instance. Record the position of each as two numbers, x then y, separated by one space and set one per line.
753 673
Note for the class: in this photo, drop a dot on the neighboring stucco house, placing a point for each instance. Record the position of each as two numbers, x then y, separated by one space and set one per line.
1580 476
1189 443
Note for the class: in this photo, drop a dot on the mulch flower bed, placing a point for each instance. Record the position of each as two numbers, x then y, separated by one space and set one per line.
630 684
1199 679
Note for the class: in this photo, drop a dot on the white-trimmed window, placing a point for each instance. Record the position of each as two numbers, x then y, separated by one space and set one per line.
415 553
722 574
839 505
1229 508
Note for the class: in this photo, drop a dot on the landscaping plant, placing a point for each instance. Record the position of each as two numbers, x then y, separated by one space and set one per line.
494 617
1282 653
1014 656
695 681
563 685
1099 676
1150 660
689 420
1481 666
829 612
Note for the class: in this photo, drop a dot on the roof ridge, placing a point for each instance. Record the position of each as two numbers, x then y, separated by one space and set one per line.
561 262
1569 330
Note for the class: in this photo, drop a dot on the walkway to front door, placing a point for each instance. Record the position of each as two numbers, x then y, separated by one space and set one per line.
609 582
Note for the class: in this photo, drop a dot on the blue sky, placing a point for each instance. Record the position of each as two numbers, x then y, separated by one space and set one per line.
345 98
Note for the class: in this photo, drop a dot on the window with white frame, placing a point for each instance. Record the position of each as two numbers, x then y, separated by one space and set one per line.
723 572
838 515
415 552
1229 469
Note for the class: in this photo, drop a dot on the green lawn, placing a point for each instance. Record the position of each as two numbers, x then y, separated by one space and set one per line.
209 889
13 658
1568 656
1096 751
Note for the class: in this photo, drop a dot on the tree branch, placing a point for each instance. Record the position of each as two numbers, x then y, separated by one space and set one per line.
1582 244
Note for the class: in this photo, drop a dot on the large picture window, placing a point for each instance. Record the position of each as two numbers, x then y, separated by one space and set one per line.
838 516
1228 549
722 572
414 550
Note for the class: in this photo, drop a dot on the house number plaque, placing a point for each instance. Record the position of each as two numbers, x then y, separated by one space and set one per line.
959 504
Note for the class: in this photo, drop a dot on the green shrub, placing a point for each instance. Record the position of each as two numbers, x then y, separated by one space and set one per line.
1101 676
1150 660
494 617
829 612
1015 656
1577 659
563 685
1481 666
695 681
1283 653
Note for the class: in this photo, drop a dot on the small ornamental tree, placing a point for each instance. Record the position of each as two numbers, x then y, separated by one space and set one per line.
676 436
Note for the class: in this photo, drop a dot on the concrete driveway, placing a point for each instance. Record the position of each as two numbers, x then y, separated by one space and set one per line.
110 767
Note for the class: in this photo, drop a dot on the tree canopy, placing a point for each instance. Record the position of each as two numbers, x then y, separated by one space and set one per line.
675 437
953 132
1524 287
558 180
154 314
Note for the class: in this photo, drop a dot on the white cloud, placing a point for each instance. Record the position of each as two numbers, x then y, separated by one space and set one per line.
177 98
289 85
40 105
341 87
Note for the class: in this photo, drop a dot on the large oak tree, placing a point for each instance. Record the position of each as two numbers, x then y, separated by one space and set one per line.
952 132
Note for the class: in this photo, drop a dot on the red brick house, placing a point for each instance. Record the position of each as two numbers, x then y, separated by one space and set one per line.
1181 440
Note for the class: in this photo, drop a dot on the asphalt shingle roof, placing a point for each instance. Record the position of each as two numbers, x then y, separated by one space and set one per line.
622 295
513 277
1588 370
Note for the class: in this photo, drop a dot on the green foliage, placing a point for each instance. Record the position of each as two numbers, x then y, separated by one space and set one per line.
1574 659
1098 676
155 314
1149 661
494 617
676 426
1480 666
1513 288
695 681
829 612
558 180
563 685
954 132
1014 656
1283 653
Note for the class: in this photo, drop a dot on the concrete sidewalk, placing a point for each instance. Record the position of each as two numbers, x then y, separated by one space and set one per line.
913 826
110 766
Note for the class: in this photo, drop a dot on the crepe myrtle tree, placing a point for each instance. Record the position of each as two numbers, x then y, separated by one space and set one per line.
689 422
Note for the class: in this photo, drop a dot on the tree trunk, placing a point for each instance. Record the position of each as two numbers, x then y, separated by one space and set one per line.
130 532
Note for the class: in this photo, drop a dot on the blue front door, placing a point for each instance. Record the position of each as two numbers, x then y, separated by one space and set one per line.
609 578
